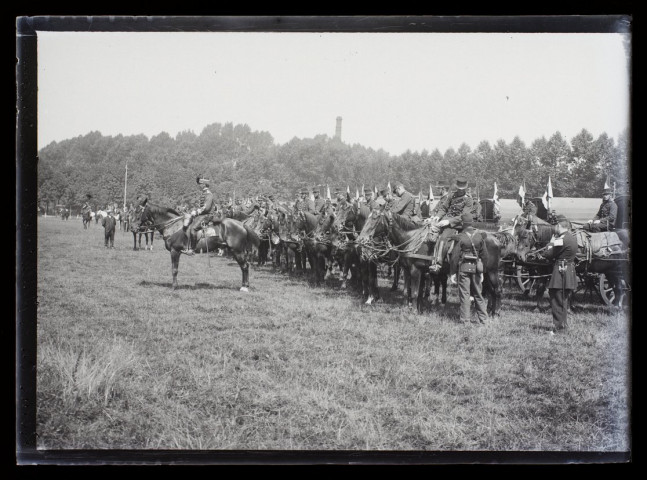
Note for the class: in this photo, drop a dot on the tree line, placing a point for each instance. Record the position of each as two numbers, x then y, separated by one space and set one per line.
241 163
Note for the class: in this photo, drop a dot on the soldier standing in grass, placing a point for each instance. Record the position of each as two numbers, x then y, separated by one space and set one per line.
471 248
563 281
109 223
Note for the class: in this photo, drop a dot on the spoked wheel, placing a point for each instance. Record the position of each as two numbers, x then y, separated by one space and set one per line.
524 282
608 294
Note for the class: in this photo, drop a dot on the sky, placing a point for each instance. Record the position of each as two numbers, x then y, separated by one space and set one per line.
394 91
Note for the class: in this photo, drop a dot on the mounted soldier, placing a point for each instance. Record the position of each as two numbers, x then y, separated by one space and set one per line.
381 200
301 203
199 215
318 203
443 197
370 198
605 219
529 212
404 203
449 214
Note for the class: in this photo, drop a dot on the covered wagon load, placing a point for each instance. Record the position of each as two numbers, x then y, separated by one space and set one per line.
602 245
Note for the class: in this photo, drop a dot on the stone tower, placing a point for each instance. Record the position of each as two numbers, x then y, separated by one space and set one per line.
338 129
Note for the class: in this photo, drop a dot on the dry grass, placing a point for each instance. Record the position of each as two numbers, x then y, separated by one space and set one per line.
125 362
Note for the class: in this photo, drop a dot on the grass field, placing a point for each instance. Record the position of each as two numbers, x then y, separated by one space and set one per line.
124 362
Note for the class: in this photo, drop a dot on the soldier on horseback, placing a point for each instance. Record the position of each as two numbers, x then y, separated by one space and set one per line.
405 203
318 203
202 213
605 219
449 214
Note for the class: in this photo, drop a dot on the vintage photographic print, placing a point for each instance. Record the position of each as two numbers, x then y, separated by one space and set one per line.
400 239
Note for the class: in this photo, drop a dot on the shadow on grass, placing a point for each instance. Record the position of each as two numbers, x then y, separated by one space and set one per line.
196 286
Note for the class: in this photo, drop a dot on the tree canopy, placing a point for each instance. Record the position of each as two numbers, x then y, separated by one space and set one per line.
241 162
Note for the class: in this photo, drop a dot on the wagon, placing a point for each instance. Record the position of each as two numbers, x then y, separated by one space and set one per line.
608 277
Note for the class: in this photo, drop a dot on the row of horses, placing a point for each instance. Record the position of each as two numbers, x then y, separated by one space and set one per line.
357 240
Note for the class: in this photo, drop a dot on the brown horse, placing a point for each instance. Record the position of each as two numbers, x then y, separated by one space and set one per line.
170 224
409 241
139 228
349 222
318 243
290 243
87 218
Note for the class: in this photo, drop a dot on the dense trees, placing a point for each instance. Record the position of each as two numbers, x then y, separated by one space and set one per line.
242 162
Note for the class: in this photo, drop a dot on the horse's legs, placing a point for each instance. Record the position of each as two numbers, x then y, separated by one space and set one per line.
175 262
396 276
153 235
421 277
241 258
134 241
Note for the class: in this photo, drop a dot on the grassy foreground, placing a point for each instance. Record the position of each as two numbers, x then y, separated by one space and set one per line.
126 363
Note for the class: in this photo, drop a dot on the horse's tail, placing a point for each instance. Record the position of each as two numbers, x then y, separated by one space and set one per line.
252 236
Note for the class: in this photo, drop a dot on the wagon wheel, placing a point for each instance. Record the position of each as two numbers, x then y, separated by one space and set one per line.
524 282
608 295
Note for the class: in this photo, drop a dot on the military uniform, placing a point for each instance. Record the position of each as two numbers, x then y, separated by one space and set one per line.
450 212
200 214
606 217
563 280
453 208
470 242
318 204
405 205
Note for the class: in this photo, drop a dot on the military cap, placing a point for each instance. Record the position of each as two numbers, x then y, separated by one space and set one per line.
398 184
561 218
368 190
461 183
384 191
607 191
467 219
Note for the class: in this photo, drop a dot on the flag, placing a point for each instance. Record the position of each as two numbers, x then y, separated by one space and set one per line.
388 185
361 192
348 190
548 194
431 195
312 196
356 194
521 195
375 189
495 197
606 183
328 193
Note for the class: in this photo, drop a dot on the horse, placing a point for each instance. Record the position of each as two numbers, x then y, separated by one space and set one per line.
318 242
409 241
233 234
382 230
65 214
530 243
349 221
290 245
86 218
137 227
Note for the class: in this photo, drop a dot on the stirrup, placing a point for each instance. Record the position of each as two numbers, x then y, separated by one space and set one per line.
188 251
434 268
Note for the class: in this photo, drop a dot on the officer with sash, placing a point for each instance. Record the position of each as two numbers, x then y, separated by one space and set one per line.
563 281
199 215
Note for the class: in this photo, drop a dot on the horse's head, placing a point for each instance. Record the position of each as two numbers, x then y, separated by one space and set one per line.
525 241
376 225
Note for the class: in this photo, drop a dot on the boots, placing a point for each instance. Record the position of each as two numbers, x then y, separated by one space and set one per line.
437 262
